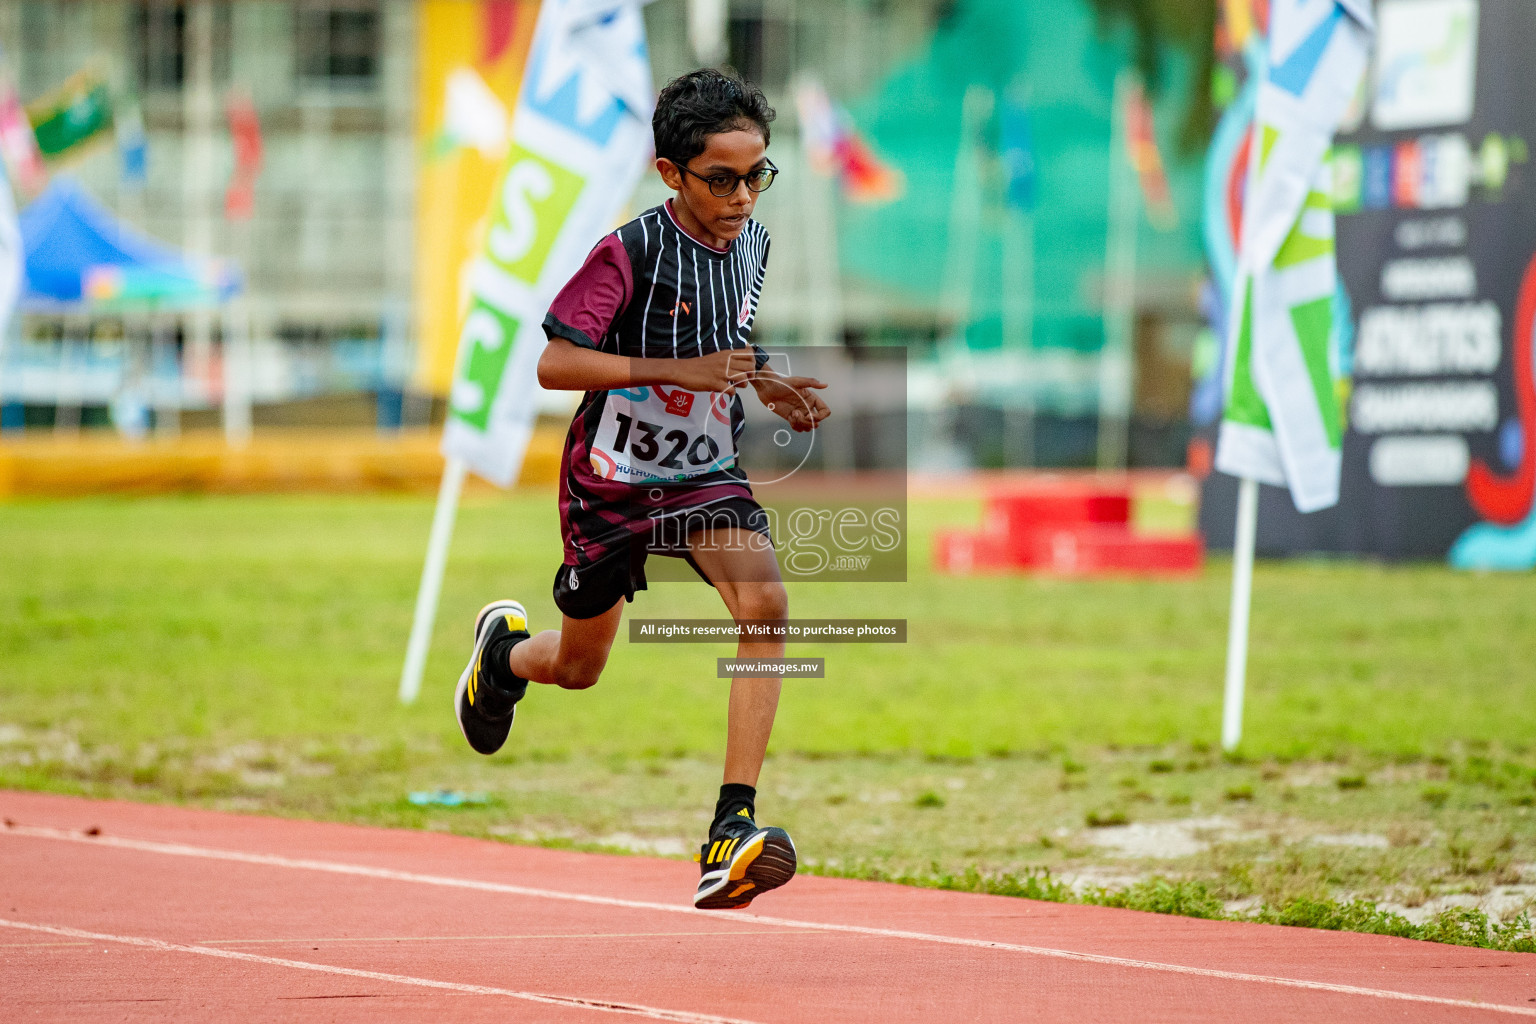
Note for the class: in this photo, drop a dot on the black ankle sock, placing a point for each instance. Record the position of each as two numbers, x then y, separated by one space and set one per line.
734 796
500 669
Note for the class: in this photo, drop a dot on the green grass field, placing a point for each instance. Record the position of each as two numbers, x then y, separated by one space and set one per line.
244 653
224 619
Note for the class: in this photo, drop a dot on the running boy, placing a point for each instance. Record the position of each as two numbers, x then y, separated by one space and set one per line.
654 330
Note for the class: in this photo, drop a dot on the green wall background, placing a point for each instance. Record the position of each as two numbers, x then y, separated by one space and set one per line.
1052 47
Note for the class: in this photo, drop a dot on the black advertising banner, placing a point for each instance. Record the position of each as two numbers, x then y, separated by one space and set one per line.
1436 208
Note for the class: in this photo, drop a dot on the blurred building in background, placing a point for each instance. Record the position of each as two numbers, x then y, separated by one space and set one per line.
326 251
292 139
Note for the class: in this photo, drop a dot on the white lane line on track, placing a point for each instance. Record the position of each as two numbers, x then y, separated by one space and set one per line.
364 871
633 1009
332 940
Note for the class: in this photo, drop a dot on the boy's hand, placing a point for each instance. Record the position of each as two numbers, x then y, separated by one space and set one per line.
719 371
792 398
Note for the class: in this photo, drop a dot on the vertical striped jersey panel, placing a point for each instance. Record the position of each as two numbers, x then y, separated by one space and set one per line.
689 300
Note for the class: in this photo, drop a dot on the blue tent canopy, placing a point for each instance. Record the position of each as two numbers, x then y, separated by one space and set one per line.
79 255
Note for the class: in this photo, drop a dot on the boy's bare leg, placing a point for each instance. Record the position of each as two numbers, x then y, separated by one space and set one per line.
741 859
743 569
572 656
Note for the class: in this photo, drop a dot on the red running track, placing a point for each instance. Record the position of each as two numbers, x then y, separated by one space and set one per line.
124 912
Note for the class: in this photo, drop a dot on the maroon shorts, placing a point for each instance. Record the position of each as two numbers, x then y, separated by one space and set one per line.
585 592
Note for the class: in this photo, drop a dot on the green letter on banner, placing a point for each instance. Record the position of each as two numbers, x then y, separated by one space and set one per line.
535 198
487 342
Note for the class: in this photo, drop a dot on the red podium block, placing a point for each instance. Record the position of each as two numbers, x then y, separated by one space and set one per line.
1098 550
961 552
1064 527
1019 510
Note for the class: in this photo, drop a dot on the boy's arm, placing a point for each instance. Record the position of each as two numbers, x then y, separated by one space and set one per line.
566 366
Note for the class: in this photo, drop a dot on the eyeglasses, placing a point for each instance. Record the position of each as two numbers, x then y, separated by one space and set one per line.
723 185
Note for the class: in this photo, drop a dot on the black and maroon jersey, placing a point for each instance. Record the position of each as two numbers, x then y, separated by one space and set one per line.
636 457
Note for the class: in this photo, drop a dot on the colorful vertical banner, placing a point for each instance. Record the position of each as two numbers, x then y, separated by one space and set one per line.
1239 68
470 59
132 147
1144 157
833 146
18 143
581 136
1016 146
1235 77
1017 151
1283 423
245 135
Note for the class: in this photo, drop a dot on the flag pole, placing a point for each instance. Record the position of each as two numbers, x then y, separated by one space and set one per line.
959 278
1116 355
1242 600
1018 332
431 588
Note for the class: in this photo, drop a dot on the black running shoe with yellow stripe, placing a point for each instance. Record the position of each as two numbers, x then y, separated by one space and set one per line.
485 710
740 861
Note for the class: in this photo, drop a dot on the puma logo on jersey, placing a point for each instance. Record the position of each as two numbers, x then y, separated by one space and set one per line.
681 305
745 314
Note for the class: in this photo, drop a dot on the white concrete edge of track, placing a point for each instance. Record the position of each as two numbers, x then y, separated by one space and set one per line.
159 945
364 871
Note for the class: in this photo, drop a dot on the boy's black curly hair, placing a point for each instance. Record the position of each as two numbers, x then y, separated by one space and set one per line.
702 103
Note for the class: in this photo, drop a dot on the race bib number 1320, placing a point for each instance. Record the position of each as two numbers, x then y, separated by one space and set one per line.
658 434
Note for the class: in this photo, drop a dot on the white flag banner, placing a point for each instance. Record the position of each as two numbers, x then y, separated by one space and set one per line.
1283 422
581 134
